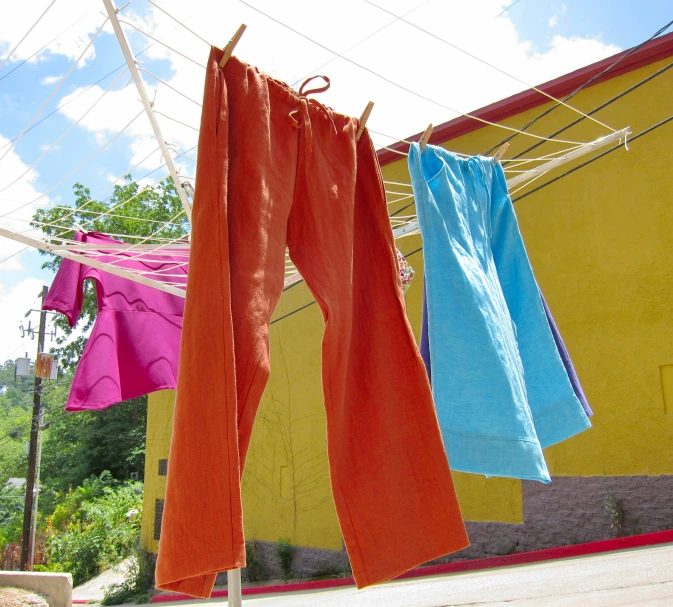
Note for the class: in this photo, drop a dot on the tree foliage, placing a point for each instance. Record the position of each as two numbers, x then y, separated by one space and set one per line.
87 456
84 443
131 210
91 530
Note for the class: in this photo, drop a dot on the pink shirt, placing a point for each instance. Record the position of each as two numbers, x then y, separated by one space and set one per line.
134 346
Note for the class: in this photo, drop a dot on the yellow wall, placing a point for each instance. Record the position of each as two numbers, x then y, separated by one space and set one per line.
286 490
600 241
159 420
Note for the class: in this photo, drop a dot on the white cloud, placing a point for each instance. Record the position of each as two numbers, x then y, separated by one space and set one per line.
420 63
553 21
399 53
51 79
17 200
74 20
564 8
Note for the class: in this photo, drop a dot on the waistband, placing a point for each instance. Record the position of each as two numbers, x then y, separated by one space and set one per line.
279 87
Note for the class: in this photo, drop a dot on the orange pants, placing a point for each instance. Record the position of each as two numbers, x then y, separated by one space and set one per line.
279 170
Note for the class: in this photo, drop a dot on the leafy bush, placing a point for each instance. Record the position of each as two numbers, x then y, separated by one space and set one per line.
255 571
90 531
69 506
11 515
285 554
137 584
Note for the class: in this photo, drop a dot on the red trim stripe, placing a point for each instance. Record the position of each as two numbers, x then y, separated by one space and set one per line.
537 556
655 50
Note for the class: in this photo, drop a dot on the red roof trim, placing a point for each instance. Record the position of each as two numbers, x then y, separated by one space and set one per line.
653 51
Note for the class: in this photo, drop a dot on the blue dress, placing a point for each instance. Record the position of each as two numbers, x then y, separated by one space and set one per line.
501 390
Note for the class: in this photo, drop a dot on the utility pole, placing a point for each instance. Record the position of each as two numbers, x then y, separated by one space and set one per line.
32 452
33 528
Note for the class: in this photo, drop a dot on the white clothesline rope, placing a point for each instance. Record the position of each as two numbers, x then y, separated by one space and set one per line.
452 45
403 226
162 248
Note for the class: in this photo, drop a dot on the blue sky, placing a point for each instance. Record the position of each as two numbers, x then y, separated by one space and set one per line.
625 23
23 96
535 40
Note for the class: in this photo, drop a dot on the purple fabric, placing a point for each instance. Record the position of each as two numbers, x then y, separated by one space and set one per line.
560 346
135 342
565 357
425 340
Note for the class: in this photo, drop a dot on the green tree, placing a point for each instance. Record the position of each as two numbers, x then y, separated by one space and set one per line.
89 442
85 443
16 407
131 210
91 527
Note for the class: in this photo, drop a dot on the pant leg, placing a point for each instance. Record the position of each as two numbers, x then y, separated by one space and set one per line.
390 478
262 180
202 526
557 412
243 195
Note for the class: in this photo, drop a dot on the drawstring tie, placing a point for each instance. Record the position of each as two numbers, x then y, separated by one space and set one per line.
303 110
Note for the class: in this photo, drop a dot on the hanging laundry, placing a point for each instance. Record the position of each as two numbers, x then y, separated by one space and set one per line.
560 347
134 345
501 390
278 170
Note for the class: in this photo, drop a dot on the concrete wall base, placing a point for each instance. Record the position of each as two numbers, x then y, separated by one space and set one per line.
569 510
57 587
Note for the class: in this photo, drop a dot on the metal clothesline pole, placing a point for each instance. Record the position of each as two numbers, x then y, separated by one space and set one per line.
63 251
536 172
585 149
137 79
234 592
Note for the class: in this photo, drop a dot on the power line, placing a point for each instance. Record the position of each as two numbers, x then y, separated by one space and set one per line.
496 68
299 309
605 104
350 48
32 27
37 52
506 9
400 86
123 65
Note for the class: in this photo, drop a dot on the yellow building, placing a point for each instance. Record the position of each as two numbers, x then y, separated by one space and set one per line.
598 233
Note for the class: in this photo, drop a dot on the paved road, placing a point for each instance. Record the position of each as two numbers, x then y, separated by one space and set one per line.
637 577
93 589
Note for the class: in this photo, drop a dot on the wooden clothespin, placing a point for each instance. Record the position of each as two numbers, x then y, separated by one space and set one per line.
422 142
501 152
79 228
189 188
231 45
363 120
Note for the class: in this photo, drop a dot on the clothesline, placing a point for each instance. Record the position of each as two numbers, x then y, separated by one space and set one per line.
87 254
535 173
